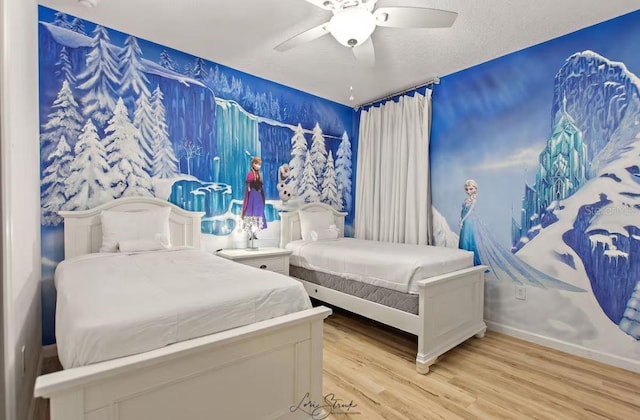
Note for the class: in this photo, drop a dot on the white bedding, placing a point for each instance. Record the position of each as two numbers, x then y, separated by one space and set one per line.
111 305
393 266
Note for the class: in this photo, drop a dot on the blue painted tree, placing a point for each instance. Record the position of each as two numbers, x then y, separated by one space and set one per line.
298 158
330 194
318 153
88 183
125 157
164 163
64 120
53 196
100 78
344 171
309 183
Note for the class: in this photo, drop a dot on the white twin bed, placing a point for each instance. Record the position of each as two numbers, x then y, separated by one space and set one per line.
162 332
446 290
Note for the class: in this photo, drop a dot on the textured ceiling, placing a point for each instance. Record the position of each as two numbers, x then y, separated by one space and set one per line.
242 33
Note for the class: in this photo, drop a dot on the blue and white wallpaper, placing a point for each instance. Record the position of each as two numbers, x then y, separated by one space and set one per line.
122 116
551 135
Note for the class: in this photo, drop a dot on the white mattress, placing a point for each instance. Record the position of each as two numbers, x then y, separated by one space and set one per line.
383 264
111 305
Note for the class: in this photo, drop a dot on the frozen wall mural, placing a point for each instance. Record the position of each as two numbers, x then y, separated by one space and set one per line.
124 117
551 138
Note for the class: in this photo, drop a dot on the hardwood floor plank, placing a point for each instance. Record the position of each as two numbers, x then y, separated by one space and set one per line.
494 377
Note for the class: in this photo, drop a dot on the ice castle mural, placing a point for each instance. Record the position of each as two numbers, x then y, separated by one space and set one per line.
562 170
121 116
551 134
604 211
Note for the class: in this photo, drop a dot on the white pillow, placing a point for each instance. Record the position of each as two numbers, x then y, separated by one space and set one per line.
314 220
118 226
325 234
138 245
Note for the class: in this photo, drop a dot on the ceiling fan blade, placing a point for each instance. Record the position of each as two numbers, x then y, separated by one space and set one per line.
414 17
302 38
323 4
365 53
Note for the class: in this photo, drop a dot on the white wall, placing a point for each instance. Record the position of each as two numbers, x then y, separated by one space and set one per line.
20 201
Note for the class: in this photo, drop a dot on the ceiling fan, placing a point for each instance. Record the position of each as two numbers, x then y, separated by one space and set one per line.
354 21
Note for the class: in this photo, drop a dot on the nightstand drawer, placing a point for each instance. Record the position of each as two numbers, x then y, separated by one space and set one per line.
272 259
268 263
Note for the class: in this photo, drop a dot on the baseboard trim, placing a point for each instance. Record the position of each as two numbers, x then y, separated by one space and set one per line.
610 359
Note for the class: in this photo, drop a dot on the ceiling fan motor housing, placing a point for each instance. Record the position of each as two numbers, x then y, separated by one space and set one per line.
352 26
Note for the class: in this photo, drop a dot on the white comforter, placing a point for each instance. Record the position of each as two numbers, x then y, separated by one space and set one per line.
393 266
113 305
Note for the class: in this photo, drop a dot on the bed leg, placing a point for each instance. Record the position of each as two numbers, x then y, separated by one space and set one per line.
422 367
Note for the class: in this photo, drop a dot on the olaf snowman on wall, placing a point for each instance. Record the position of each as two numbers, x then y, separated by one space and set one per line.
283 187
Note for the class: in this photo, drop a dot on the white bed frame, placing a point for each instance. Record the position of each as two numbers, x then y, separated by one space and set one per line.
258 371
450 305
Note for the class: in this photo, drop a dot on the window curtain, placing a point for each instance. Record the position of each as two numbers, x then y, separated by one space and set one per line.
393 198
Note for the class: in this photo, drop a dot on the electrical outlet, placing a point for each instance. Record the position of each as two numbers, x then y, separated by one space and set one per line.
23 358
521 292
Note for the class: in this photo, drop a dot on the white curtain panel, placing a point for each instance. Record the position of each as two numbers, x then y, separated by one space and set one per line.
393 201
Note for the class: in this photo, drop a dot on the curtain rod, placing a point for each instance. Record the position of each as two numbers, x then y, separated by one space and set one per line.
434 81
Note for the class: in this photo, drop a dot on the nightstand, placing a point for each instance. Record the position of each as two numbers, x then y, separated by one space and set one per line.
272 259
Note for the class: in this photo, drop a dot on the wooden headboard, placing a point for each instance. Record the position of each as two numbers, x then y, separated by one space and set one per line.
290 230
83 229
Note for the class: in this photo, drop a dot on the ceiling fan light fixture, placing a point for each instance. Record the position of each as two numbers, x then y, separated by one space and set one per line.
352 26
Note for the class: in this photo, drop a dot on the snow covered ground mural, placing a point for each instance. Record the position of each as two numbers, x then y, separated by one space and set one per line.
552 135
123 117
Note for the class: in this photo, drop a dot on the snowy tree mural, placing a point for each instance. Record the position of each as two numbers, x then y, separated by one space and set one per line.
344 172
133 82
188 70
63 67
189 150
189 141
309 183
77 25
330 194
298 158
128 175
167 62
164 162
88 183
318 153
100 78
144 119
61 20
53 196
199 70
64 120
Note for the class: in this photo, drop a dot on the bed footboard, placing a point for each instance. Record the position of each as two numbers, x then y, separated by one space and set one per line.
259 371
451 311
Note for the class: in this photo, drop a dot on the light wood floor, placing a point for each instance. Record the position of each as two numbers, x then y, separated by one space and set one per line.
496 377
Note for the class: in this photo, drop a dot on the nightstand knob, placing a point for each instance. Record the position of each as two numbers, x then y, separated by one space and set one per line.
263 266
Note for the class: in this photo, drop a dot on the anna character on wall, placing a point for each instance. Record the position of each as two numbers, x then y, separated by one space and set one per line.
253 204
467 218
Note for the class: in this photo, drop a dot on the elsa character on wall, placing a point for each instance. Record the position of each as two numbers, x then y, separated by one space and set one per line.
467 216
503 265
